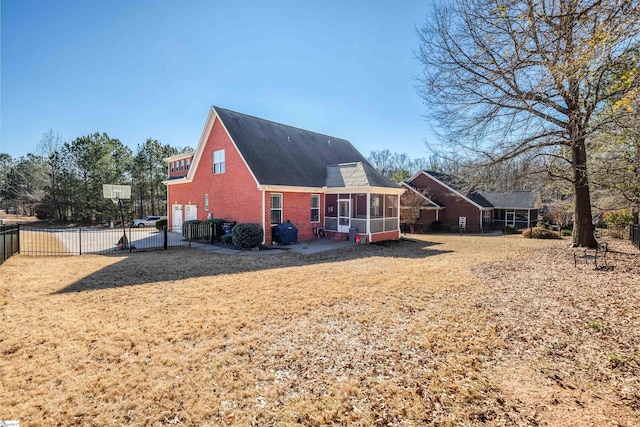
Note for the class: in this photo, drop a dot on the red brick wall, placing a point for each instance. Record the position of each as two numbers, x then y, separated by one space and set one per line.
233 195
387 235
455 206
427 216
296 207
177 172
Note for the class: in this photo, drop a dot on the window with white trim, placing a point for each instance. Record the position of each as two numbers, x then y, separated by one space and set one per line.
182 164
276 209
487 217
218 162
206 202
188 163
315 208
172 166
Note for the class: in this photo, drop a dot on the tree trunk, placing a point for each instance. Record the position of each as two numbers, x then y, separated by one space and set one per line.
582 221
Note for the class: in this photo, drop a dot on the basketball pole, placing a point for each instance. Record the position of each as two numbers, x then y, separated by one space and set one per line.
124 230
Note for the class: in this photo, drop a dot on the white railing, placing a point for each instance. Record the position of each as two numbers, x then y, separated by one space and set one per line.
377 225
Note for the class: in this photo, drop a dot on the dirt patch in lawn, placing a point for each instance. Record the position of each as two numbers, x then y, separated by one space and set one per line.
405 334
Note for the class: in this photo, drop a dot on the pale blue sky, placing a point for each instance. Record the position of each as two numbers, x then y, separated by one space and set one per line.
140 69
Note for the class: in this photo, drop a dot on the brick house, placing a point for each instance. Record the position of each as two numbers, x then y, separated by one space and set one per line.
247 169
450 201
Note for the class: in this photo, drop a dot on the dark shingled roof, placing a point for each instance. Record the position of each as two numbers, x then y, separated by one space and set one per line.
512 199
284 155
356 174
462 187
434 202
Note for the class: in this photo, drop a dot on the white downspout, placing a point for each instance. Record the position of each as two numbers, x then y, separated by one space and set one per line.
369 216
264 235
398 210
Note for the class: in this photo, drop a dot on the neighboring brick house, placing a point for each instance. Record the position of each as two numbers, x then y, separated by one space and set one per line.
448 200
247 169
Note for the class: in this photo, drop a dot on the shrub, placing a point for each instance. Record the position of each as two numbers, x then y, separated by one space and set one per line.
248 235
161 224
436 225
455 229
565 232
618 219
540 233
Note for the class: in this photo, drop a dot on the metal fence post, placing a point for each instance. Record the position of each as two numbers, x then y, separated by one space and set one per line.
80 239
4 245
164 229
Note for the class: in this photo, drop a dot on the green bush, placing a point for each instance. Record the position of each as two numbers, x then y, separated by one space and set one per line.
564 232
540 233
248 235
161 224
618 219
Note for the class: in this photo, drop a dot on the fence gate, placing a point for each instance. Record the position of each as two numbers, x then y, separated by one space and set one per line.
9 241
634 235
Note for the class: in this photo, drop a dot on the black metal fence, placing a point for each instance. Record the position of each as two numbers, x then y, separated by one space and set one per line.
634 235
9 241
79 241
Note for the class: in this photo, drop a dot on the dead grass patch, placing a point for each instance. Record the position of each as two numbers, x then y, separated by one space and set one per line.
400 335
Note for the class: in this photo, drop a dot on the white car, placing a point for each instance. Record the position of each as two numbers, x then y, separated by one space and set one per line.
149 221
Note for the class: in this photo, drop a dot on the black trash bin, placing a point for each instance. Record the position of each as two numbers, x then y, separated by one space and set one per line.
352 234
286 233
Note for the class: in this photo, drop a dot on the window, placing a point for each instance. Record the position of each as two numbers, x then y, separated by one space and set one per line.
375 206
486 217
172 163
218 162
276 209
182 164
315 208
206 202
188 163
391 207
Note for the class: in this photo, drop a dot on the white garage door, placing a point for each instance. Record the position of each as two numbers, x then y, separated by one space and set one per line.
176 218
190 212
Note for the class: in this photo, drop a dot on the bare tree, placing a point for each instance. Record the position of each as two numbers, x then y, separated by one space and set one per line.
412 201
505 77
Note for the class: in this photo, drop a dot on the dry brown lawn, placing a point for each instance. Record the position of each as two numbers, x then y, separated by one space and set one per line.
447 330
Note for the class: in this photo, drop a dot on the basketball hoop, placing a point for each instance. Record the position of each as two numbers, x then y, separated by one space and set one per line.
118 193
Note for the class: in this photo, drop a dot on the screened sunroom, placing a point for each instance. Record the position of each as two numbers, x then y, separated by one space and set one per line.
362 202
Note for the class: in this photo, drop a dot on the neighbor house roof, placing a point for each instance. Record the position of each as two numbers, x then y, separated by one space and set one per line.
279 154
513 199
461 187
356 174
432 202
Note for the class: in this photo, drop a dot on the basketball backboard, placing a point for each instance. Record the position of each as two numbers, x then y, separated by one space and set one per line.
115 192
